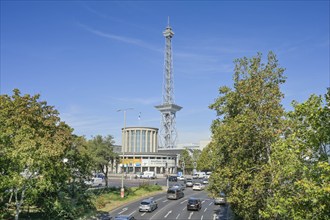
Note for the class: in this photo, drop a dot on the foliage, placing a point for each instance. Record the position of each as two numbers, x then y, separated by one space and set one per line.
102 153
206 160
187 159
271 164
33 143
249 122
301 159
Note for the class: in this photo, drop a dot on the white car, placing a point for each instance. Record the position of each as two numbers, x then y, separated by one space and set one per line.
181 178
198 186
95 181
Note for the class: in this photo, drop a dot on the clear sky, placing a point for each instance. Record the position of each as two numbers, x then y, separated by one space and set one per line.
91 58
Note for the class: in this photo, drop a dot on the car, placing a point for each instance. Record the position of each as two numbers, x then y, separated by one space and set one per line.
179 185
138 175
148 175
189 183
124 217
220 199
175 193
198 186
95 182
195 176
194 204
181 178
173 178
205 181
148 205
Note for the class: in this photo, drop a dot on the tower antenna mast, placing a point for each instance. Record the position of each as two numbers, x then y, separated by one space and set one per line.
168 108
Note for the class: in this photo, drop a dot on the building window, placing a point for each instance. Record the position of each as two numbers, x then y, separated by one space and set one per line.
148 141
132 141
143 141
138 144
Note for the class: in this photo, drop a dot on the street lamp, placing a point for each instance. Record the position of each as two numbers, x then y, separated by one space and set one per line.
122 190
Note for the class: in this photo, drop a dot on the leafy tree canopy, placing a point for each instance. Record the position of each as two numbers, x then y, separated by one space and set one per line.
33 143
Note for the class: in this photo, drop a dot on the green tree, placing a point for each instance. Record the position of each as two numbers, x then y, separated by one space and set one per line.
33 144
101 149
188 162
249 122
206 160
301 183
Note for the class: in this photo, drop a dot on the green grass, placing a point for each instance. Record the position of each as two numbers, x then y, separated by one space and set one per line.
110 199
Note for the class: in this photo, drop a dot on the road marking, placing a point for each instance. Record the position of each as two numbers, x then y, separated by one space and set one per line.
177 216
184 208
143 213
183 201
211 203
165 200
203 201
124 209
169 212
205 209
132 213
191 213
214 216
202 217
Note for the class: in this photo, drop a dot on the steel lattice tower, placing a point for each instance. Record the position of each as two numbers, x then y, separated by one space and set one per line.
168 109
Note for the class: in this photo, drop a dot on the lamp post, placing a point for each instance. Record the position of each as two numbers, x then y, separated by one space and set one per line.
122 190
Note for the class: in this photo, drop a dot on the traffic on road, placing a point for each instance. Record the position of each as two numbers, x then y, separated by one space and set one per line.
176 203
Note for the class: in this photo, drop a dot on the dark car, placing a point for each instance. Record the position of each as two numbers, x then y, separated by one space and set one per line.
124 217
194 204
173 178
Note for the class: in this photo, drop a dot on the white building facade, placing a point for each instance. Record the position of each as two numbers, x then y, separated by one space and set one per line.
140 152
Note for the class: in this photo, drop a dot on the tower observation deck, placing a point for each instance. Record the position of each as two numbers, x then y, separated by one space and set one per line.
168 108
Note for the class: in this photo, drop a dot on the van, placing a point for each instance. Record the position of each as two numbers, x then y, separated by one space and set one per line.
175 193
199 175
148 175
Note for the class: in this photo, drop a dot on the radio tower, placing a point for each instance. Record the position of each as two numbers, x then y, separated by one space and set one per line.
168 108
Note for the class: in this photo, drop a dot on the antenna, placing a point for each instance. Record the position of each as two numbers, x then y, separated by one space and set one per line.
168 108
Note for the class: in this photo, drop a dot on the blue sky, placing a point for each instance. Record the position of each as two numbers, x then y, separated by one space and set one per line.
91 58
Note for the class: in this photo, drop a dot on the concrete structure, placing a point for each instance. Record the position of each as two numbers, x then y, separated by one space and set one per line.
140 147
140 139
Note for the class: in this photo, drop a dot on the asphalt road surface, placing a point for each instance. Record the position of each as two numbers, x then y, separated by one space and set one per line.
177 209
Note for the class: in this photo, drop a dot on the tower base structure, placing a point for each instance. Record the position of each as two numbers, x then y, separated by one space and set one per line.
168 131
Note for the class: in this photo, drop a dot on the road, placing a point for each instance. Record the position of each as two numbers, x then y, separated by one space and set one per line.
174 209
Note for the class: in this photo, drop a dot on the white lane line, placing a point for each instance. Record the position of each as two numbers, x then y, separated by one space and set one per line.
184 208
124 209
169 212
177 216
191 213
164 197
214 216
132 213
211 203
143 213
202 217
165 200
205 209
184 201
